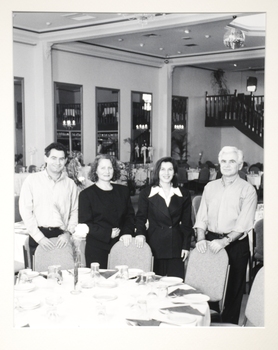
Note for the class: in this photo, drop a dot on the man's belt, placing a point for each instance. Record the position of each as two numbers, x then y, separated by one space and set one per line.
219 235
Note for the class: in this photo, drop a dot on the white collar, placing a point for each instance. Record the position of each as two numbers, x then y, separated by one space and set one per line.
158 190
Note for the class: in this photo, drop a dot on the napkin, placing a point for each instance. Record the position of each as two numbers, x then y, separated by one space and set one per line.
181 292
143 323
184 308
108 273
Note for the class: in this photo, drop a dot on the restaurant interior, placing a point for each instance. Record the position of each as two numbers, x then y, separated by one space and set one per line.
140 87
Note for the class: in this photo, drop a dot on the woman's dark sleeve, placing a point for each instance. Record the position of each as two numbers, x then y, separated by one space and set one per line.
86 216
186 222
142 213
129 217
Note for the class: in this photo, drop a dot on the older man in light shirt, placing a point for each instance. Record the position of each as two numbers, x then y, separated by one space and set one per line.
48 202
225 216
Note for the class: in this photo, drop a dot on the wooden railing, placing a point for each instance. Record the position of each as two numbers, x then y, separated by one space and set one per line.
245 112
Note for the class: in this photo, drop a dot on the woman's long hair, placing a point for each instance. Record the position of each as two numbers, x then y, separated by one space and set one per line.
73 168
93 172
156 180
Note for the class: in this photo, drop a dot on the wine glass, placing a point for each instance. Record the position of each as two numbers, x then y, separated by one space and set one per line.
53 300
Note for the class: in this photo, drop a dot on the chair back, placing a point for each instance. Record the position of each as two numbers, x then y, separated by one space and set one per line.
195 207
204 175
182 175
254 311
208 272
57 256
133 257
255 169
17 216
27 254
259 240
242 174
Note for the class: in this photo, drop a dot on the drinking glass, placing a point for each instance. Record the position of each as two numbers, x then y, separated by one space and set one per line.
150 280
122 275
53 300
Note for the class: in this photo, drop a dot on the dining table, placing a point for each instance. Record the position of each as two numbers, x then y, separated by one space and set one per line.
193 174
112 302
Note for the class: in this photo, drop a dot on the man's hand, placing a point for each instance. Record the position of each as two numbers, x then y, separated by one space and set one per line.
216 245
63 240
184 254
201 246
127 239
115 232
46 243
139 241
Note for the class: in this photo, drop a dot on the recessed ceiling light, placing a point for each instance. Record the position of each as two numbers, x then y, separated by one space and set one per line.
141 44
178 52
48 23
235 65
120 39
187 31
161 48
207 36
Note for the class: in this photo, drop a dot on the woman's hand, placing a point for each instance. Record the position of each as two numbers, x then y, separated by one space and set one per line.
201 246
184 254
127 239
115 232
139 241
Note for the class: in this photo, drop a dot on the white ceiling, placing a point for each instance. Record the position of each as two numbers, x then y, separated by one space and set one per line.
163 36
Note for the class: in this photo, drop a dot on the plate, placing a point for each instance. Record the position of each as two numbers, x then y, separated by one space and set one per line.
32 274
107 284
171 280
181 318
134 272
105 297
195 298
83 270
29 303
24 287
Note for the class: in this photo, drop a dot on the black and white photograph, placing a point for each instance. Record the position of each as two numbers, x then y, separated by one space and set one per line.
138 175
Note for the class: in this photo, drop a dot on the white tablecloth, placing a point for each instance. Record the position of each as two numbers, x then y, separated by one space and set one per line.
18 181
192 174
80 311
254 180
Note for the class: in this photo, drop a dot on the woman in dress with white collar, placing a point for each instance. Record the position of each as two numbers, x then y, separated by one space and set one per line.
164 219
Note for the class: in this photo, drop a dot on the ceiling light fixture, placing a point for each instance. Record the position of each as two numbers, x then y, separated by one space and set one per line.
187 31
234 38
207 36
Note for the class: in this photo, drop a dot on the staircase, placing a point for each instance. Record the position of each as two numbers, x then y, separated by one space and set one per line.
244 112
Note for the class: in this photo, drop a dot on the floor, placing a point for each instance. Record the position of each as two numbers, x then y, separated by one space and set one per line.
134 200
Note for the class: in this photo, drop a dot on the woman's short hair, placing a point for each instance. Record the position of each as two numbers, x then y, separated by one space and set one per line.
156 180
229 149
93 172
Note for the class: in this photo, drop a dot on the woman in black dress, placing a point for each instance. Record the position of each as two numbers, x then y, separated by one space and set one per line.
166 209
106 209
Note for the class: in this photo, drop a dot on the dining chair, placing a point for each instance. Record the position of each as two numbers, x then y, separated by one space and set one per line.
257 258
254 311
208 272
133 257
195 207
255 169
17 216
202 180
57 256
26 254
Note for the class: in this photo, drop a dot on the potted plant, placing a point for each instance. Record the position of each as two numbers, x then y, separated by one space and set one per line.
180 146
219 82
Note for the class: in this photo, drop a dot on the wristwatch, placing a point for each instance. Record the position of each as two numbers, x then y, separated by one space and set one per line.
229 239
